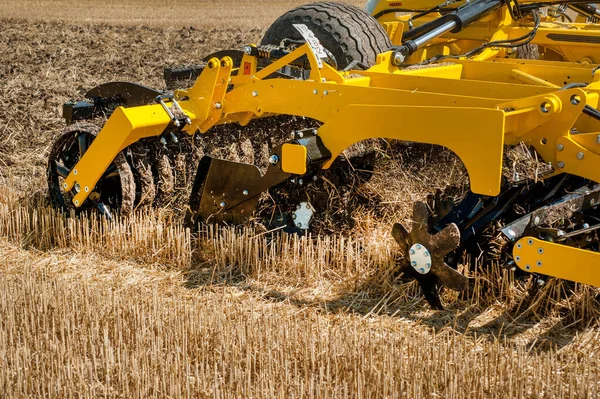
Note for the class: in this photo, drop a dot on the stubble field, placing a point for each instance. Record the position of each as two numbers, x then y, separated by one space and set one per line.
141 308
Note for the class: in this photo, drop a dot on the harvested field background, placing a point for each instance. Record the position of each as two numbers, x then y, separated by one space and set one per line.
140 308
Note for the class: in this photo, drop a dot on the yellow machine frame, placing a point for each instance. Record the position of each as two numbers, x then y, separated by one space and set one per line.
485 104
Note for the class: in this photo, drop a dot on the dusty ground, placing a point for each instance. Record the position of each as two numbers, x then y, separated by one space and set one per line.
142 309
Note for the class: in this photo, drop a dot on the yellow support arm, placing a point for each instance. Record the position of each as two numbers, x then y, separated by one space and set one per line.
536 256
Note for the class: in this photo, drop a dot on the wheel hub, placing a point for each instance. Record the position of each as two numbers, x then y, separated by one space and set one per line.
420 258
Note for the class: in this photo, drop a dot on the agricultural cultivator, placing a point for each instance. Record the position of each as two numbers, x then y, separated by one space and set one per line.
482 78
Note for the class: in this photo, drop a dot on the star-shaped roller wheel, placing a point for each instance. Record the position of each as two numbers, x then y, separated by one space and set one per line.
424 255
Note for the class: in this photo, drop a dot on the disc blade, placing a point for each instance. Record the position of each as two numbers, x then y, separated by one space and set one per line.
450 277
401 236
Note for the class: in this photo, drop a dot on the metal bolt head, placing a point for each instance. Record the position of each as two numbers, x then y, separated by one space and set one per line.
414 263
218 105
315 132
315 178
586 226
530 241
64 185
598 139
325 92
222 204
412 251
315 91
248 50
398 58
539 263
245 192
527 267
86 189
273 159
519 245
77 187
300 134
540 251
518 258
560 147
300 181
560 164
580 155
76 202
75 172
299 224
426 254
254 94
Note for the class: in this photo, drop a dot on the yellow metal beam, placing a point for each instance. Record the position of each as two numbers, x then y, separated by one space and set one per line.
556 260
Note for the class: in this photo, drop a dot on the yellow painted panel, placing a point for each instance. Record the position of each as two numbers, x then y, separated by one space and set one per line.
556 260
293 159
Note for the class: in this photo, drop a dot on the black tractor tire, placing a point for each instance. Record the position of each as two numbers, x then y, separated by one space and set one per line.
346 31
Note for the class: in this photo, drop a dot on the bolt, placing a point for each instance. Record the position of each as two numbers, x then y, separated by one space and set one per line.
86 189
315 178
580 155
65 185
315 91
398 58
428 265
414 263
540 282
219 106
426 254
518 258
586 226
560 147
527 267
77 187
248 50
325 92
539 263
245 192
422 270
75 172
530 241
254 94
323 80
412 251
300 134
222 204
273 159
598 139
300 181
418 246
536 220
519 245
299 224
76 202
540 251
560 164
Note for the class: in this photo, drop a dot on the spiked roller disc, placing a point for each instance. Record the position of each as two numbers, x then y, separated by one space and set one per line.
424 254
